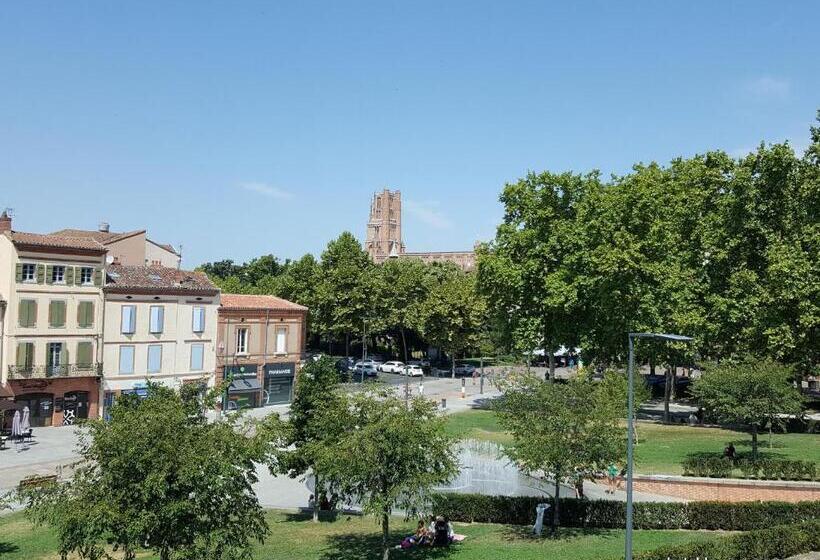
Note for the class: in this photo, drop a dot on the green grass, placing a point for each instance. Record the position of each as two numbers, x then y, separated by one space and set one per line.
295 537
661 448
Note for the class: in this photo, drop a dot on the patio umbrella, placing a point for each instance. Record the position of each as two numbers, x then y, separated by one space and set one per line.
16 432
25 422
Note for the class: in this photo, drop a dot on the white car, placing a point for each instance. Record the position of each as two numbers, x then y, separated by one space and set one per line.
392 367
414 370
367 367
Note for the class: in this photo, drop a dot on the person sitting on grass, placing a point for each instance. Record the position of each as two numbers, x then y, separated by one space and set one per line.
419 538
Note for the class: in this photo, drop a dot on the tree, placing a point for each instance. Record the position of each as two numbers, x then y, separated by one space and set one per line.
158 476
390 456
307 432
751 392
402 288
453 313
563 430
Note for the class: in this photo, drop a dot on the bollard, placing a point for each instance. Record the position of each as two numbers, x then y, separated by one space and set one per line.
443 403
421 388
463 388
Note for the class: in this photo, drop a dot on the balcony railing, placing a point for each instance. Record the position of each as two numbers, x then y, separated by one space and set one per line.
52 372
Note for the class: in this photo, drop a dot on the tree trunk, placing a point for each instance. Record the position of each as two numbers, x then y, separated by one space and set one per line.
754 442
556 501
404 344
164 554
667 387
385 536
347 344
652 364
315 497
552 364
453 366
674 380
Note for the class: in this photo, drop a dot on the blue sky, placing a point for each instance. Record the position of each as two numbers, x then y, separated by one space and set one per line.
244 128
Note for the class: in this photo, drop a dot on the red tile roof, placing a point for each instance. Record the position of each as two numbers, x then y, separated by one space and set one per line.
54 241
157 279
99 236
247 301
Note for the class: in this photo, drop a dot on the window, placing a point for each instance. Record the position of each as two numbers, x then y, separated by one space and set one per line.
58 274
281 340
86 276
157 319
242 341
28 313
128 323
154 358
126 360
197 357
199 319
25 356
85 354
28 272
85 314
57 358
56 314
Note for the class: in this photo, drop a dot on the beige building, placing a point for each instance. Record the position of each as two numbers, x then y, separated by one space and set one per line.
132 248
160 325
384 238
50 325
261 342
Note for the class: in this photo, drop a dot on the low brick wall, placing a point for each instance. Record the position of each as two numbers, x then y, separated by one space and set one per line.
727 489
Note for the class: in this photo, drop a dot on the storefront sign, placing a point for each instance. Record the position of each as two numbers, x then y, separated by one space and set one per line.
245 370
287 369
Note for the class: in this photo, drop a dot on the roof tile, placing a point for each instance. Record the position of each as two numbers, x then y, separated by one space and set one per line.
248 301
157 278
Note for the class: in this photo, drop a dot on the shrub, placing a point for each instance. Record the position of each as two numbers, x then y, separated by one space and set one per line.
770 468
727 516
763 544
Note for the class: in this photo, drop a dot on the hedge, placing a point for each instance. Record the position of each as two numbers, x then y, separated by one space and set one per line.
766 468
727 516
764 544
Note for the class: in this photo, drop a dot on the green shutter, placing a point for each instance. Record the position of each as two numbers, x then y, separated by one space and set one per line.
56 313
49 274
85 314
41 273
21 354
27 313
22 313
84 354
98 276
19 272
64 357
69 276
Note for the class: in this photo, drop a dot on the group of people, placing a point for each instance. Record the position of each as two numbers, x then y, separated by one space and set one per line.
439 532
614 478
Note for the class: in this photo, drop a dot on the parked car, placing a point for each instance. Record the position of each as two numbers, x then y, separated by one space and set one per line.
368 367
413 370
465 369
391 367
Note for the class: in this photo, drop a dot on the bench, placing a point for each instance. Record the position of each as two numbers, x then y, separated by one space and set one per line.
37 481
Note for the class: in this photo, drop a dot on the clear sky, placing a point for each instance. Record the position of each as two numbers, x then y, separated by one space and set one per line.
243 128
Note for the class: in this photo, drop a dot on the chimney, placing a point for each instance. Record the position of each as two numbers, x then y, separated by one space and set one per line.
5 222
104 227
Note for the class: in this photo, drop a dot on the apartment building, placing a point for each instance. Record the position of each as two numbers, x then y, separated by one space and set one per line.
261 342
130 248
50 324
161 325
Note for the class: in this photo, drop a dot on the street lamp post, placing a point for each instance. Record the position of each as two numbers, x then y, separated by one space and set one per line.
629 426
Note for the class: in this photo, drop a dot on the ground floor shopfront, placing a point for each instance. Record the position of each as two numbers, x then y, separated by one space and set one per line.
113 387
255 385
52 402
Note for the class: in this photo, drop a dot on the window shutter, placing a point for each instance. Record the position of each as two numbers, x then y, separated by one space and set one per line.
49 274
56 314
52 314
21 354
19 272
22 313
89 313
69 276
98 276
64 357
41 273
32 314
84 353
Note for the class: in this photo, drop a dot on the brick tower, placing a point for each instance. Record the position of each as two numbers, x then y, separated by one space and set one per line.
384 226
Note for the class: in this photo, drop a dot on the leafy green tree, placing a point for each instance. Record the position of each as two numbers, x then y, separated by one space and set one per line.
751 392
158 476
563 430
452 315
390 456
402 289
308 433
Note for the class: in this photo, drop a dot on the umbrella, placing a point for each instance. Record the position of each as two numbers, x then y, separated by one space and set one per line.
25 422
16 432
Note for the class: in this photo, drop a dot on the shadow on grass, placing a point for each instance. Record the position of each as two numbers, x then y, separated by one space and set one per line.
8 548
324 516
524 532
356 546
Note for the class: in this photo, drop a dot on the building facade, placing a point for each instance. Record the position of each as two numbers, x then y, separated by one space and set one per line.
384 238
160 325
51 326
261 342
131 248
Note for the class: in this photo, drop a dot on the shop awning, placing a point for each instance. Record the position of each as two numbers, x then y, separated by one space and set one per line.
244 386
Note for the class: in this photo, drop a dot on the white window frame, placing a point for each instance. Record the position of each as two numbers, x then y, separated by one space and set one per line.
83 271
198 310
159 319
242 333
148 358
133 357
284 349
54 270
201 347
132 326
33 268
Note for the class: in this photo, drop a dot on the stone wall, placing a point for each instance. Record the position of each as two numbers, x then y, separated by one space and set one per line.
727 489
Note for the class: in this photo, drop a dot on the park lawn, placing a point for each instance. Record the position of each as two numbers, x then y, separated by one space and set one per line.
295 537
661 448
